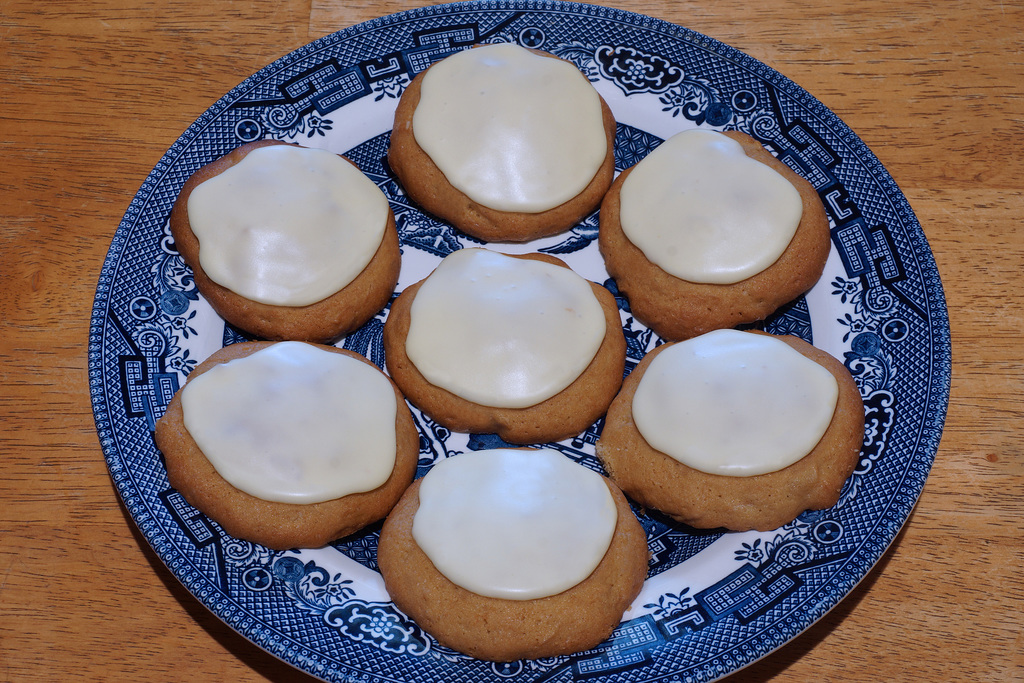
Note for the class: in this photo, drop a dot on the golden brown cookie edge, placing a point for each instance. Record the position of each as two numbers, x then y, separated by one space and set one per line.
707 501
279 526
324 321
677 309
566 414
494 629
425 184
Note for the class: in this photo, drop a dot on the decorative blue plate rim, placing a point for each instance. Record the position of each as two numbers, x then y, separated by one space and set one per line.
713 603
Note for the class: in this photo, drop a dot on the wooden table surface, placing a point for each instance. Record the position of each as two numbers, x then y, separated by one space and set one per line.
93 92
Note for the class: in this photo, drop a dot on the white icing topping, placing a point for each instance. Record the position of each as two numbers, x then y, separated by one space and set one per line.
702 210
514 524
734 403
501 331
512 130
293 423
287 225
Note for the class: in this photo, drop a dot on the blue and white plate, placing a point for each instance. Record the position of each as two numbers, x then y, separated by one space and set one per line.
713 602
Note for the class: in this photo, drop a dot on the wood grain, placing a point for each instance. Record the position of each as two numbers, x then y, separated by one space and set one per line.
93 92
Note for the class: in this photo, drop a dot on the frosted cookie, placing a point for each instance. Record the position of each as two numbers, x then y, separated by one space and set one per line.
506 144
741 430
710 231
520 346
288 242
513 554
289 444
